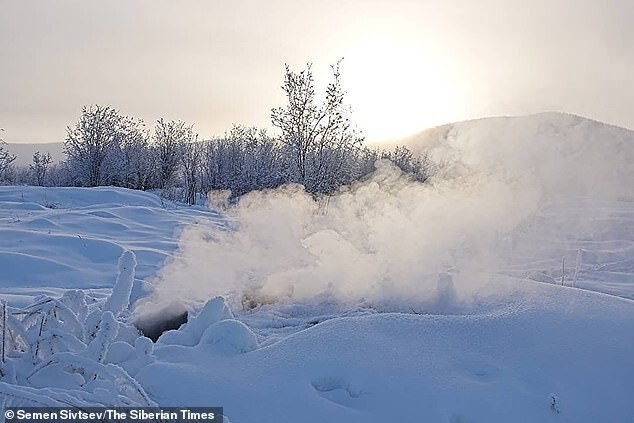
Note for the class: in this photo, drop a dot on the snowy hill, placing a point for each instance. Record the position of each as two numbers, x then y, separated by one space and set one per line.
390 301
567 177
559 153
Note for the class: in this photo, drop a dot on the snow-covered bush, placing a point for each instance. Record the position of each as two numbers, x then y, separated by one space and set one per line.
39 167
74 350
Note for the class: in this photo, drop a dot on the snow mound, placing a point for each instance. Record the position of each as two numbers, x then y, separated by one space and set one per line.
215 329
229 337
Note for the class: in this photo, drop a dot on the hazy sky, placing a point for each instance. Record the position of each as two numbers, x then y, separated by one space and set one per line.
407 65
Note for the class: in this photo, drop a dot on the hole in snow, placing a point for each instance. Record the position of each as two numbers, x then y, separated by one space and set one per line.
152 324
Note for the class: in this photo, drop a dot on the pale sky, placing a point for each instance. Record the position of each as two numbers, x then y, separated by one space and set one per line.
408 65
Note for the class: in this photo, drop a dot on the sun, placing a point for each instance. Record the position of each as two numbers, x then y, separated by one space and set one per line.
396 88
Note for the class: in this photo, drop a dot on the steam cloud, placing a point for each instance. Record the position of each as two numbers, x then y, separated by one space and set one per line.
389 238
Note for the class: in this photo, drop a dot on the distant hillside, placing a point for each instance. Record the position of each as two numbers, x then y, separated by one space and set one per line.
554 153
24 152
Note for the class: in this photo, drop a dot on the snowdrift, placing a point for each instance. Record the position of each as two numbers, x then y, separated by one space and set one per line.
52 239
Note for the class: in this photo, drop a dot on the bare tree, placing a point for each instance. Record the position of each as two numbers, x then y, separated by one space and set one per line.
319 137
39 167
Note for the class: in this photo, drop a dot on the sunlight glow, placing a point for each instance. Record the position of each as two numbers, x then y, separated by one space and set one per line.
396 89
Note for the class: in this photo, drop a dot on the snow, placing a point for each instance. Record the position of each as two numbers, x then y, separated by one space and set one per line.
495 366
390 302
119 300
59 238
214 311
55 349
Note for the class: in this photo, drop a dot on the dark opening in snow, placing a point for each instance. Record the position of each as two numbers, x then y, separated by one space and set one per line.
154 324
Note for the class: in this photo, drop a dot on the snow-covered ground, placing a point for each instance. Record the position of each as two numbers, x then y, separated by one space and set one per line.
60 238
389 302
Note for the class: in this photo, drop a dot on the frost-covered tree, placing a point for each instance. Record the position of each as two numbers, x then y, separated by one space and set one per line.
59 175
137 157
262 163
190 168
6 162
317 136
92 144
169 138
212 165
416 165
39 167
245 159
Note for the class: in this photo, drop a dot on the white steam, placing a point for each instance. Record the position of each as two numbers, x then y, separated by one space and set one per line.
390 238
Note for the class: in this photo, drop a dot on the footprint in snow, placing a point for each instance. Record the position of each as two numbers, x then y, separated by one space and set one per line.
337 390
